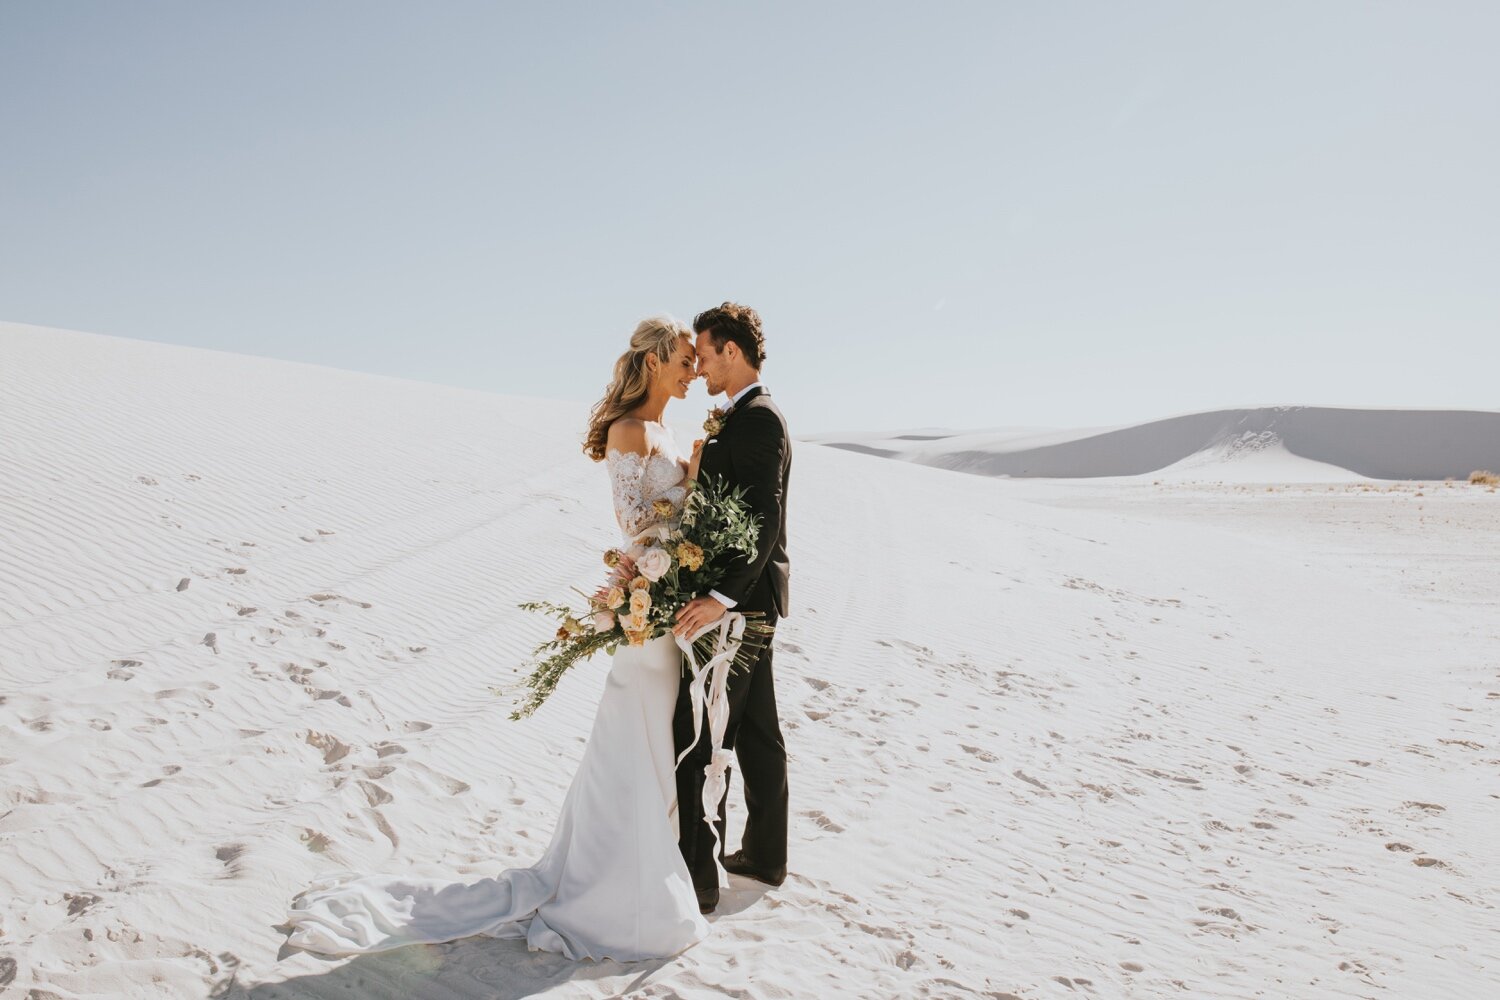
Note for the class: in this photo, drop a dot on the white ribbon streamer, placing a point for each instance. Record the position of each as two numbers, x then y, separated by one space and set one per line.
714 704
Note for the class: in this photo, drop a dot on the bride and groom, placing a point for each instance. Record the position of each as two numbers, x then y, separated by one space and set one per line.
636 859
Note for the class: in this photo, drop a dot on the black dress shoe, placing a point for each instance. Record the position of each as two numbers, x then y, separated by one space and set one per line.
736 864
707 900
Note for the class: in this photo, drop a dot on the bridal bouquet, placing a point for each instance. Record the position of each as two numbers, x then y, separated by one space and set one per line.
670 569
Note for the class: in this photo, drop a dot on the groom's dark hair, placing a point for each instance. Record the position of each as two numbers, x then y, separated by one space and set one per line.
737 323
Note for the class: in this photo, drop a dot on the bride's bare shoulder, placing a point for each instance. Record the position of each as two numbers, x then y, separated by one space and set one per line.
627 434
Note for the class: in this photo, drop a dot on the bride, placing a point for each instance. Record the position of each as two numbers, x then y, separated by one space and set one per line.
612 882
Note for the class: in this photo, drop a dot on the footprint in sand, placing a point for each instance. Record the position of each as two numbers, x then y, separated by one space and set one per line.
80 901
334 749
824 822
315 840
166 773
374 794
322 599
229 855
1030 780
982 754
1075 981
189 692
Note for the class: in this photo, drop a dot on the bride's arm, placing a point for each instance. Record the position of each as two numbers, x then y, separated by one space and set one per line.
626 470
692 466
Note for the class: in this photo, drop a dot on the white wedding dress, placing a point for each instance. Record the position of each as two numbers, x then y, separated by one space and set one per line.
612 883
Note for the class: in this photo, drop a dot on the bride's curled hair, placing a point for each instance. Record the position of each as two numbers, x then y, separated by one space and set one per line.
631 383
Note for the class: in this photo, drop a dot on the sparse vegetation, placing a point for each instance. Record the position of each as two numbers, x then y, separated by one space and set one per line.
1482 477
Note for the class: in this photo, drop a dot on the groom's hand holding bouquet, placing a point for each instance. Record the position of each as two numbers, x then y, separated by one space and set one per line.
652 587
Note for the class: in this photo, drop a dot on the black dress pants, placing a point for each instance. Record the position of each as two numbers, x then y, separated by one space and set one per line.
754 733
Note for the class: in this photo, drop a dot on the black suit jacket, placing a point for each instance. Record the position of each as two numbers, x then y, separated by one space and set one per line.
754 450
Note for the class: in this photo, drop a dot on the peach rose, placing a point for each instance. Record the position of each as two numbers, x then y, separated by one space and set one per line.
654 564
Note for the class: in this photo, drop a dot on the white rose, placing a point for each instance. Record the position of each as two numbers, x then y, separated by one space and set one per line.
604 621
654 564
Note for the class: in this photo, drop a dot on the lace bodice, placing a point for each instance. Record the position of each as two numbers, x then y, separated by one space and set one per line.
638 481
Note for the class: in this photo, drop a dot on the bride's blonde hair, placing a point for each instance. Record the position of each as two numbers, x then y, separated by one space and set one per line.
631 383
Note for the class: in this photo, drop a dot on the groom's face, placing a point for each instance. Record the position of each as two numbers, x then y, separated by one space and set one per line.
711 364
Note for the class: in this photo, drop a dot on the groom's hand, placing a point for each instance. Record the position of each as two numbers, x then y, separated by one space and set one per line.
697 613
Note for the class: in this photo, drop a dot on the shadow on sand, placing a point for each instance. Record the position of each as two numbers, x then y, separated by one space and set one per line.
490 968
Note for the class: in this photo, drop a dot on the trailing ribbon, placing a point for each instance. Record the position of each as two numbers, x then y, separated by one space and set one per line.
714 704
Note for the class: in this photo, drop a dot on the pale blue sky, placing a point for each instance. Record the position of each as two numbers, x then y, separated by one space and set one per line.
948 214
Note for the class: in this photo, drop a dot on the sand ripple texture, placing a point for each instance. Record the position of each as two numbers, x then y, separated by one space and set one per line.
1125 739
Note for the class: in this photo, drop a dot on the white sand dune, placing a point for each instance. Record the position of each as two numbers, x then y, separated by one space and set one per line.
1265 444
1049 739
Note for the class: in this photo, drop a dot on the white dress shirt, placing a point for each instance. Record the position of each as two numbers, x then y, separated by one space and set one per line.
732 402
741 394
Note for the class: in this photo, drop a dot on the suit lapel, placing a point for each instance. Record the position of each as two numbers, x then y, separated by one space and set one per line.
715 461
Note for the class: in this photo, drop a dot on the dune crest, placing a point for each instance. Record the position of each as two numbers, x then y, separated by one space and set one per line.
1310 443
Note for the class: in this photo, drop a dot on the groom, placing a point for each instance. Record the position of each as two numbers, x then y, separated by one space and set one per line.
751 449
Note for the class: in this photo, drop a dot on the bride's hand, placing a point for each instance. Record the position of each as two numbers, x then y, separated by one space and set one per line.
692 469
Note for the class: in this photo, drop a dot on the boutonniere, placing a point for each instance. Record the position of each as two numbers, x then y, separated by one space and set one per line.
715 422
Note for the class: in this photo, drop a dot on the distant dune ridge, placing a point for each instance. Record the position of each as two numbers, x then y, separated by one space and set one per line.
1299 442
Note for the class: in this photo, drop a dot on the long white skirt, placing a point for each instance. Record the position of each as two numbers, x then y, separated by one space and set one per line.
611 884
